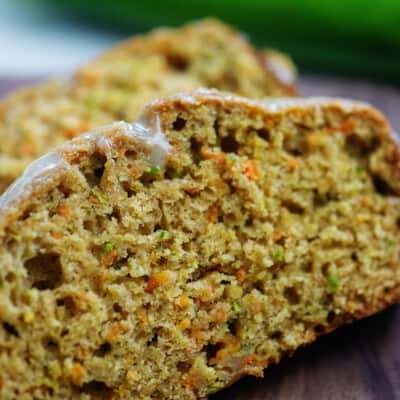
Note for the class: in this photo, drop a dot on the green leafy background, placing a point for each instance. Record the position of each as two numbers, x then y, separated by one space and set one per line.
352 37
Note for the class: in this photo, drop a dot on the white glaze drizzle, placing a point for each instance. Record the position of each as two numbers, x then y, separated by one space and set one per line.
151 134
147 132
37 172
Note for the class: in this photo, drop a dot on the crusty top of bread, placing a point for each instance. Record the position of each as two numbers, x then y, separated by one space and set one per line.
272 106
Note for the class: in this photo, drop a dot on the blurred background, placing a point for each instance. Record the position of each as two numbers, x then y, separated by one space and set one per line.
343 48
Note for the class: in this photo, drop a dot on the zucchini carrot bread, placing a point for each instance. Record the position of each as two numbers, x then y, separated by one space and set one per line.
167 258
208 51
118 84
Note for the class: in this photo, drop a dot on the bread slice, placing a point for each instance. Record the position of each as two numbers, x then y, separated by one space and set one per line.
120 82
165 259
208 51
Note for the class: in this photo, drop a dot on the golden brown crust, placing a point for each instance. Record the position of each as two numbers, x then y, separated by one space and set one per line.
276 108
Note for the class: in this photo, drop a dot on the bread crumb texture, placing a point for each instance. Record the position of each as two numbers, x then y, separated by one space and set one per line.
264 229
117 84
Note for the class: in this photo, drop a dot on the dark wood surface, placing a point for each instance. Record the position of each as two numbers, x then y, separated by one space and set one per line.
357 362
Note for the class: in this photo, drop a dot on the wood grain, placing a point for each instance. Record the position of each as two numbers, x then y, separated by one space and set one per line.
357 362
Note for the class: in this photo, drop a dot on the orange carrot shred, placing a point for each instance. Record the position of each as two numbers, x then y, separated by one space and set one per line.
73 132
189 381
77 374
219 158
63 211
116 329
82 296
57 235
197 334
241 274
152 284
135 171
93 200
249 359
212 213
345 127
251 170
108 258
156 280
293 164
26 150
220 315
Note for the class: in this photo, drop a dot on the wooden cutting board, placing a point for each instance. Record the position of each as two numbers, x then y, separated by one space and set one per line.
357 362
